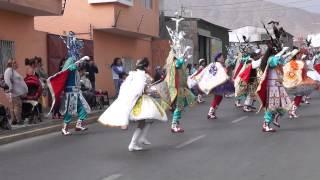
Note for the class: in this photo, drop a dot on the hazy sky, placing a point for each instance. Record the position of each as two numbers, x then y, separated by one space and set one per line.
309 5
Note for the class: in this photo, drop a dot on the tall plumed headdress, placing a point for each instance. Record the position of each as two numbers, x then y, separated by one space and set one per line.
74 45
246 47
178 42
278 32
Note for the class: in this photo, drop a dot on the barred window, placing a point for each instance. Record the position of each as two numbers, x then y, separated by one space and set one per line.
7 51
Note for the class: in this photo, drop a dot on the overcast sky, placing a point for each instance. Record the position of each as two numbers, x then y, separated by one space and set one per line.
309 5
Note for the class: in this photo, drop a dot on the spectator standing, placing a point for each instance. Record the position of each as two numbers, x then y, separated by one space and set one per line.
17 89
30 66
32 81
194 68
41 73
159 75
117 70
92 69
31 100
86 87
189 69
43 76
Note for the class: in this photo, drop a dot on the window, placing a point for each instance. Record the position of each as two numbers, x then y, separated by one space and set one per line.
7 51
147 4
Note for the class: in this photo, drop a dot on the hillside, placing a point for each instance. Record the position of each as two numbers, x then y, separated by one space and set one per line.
223 12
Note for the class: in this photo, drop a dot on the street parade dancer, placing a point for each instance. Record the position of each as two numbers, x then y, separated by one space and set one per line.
246 81
314 67
271 93
135 103
192 84
214 78
176 79
219 91
241 63
297 81
254 77
68 80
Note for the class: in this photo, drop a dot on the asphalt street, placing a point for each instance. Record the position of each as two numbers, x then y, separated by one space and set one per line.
232 147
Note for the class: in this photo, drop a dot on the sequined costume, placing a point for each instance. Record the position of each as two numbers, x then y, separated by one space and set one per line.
272 94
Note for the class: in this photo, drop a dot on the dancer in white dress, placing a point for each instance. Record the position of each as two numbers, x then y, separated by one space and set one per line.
136 104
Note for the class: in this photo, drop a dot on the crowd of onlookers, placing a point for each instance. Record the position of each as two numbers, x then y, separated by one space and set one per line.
28 93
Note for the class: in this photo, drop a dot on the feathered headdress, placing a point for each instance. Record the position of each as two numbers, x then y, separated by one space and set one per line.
308 42
178 42
74 45
278 33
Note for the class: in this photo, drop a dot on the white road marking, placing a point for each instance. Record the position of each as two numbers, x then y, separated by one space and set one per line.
113 177
239 119
190 141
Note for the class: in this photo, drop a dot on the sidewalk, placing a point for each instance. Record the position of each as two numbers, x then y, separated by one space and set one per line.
48 125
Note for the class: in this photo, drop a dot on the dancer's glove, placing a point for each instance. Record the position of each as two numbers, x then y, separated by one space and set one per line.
73 67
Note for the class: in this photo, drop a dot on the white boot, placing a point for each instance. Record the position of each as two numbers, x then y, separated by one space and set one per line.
293 112
80 127
143 139
199 99
212 113
65 130
175 128
238 103
133 146
267 128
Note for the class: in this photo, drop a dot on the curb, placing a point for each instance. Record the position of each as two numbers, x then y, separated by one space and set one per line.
44 129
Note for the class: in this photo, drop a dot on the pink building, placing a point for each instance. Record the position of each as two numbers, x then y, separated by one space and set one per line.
118 28
18 38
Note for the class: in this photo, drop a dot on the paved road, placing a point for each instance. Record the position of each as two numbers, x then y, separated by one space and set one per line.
230 148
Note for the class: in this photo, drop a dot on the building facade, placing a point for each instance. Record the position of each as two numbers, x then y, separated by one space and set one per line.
205 38
18 38
118 28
